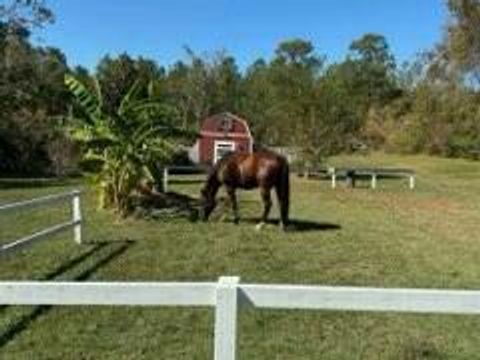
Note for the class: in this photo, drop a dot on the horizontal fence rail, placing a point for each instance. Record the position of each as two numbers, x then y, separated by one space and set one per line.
228 296
39 201
107 293
38 236
75 223
258 296
362 299
374 173
168 171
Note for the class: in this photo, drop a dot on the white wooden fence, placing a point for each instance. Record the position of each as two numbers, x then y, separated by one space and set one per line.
167 172
75 222
228 295
374 174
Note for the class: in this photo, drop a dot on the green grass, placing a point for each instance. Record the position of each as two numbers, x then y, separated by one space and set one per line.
390 237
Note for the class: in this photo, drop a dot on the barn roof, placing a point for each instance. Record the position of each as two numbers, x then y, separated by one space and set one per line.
227 116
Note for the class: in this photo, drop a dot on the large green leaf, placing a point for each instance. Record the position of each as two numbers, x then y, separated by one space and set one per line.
125 147
87 100
129 99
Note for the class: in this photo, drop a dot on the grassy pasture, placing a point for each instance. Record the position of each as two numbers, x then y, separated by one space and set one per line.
389 237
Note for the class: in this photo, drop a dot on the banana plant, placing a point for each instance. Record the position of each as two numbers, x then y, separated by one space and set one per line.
126 147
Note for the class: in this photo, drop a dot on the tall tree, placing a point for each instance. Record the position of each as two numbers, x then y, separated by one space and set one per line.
116 75
373 49
32 96
226 85
463 37
257 101
297 51
25 13
368 73
203 85
293 74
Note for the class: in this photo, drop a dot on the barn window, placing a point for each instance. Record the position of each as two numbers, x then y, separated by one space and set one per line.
225 125
223 148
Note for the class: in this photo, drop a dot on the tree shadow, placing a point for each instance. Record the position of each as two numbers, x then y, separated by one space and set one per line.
112 250
296 225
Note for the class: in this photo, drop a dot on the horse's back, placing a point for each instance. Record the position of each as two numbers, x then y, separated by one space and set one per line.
250 170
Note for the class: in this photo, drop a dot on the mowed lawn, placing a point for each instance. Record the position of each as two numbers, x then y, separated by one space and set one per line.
389 237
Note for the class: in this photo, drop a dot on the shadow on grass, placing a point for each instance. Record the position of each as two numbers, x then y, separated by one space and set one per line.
112 251
186 181
296 225
166 206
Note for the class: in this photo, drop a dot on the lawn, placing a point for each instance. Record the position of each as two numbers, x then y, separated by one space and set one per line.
388 237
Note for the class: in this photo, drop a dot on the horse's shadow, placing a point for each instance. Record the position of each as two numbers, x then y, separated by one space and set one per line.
297 225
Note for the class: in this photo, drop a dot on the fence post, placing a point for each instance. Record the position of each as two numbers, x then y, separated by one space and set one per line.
333 174
412 182
165 179
374 181
226 308
77 217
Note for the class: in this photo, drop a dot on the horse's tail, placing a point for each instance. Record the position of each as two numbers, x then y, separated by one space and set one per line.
284 192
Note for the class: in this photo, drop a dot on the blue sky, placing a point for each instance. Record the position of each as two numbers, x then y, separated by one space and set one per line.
88 29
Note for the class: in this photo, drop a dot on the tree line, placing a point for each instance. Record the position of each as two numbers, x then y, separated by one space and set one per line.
297 98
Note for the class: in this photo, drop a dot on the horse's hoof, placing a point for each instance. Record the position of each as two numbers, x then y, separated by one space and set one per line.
259 226
284 227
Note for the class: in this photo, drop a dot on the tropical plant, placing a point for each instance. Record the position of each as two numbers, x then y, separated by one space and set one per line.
123 149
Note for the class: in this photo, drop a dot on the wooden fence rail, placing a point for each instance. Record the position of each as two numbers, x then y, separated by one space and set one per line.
75 222
170 170
350 174
228 296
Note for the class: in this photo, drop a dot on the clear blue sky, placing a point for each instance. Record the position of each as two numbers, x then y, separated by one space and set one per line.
88 29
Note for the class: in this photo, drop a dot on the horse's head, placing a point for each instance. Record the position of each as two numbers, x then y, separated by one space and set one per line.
207 203
208 193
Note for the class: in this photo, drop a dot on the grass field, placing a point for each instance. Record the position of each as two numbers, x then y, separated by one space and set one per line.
389 237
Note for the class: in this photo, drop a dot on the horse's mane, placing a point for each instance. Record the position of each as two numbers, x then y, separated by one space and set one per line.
223 160
213 172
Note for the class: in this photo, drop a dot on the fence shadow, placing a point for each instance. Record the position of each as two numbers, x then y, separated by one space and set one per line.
112 250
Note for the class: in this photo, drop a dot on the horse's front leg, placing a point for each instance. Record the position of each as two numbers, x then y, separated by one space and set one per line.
267 205
233 201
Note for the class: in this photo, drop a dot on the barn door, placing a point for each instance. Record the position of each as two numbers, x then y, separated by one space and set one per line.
222 148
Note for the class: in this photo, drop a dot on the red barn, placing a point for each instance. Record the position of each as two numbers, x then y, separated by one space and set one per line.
221 134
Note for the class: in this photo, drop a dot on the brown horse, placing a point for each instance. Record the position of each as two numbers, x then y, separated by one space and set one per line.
262 169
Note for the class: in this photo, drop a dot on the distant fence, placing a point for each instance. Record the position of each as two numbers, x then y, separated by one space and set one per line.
75 222
168 171
350 174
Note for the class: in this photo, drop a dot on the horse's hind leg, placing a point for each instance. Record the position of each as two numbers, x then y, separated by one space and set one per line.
233 201
283 204
267 205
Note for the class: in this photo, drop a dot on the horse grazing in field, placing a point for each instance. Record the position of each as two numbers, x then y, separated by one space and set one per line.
262 169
